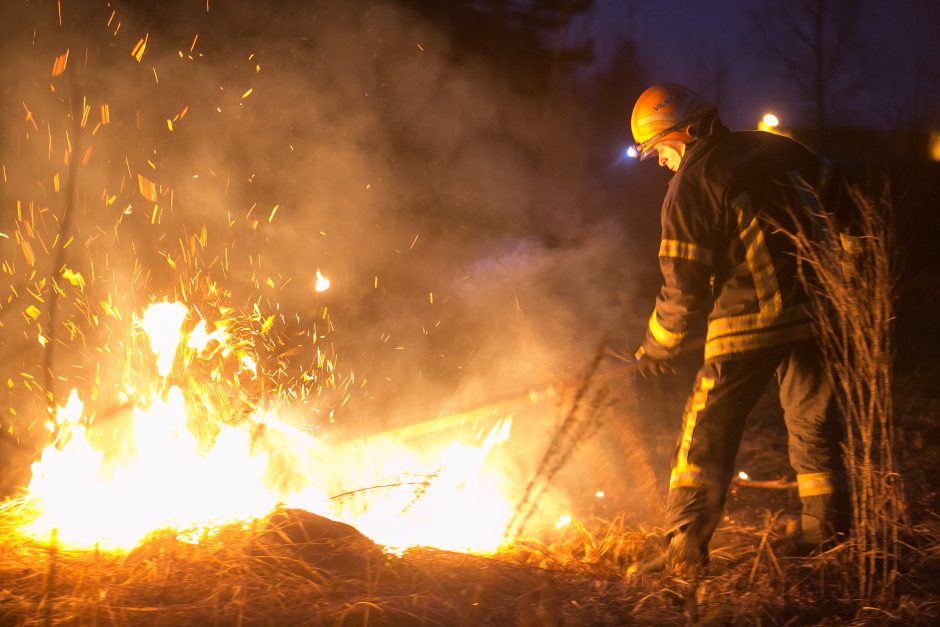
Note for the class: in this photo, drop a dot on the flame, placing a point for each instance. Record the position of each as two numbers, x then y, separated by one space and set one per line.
459 505
70 414
199 338
166 483
322 284
110 484
162 323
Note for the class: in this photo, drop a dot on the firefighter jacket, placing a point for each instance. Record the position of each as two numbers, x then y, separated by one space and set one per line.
723 255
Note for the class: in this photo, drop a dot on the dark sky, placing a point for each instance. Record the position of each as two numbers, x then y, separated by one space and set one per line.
686 41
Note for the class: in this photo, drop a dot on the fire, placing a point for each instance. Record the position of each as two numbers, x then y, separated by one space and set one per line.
459 504
180 422
110 484
199 338
162 323
164 483
322 284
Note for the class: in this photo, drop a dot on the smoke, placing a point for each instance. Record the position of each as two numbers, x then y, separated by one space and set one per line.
471 254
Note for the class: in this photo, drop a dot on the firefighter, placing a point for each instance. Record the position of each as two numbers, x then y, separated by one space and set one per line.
726 262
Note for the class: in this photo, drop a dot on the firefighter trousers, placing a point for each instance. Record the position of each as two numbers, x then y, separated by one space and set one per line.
713 421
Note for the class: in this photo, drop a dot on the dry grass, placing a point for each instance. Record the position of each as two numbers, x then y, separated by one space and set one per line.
282 571
851 274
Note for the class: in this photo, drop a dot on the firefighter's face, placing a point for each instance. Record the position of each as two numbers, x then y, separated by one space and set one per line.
670 154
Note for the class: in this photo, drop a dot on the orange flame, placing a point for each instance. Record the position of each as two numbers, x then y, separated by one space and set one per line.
111 488
322 284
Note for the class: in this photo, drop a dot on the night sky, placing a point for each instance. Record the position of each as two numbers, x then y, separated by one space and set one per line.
686 41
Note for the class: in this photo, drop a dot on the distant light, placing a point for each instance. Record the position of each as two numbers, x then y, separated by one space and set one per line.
770 120
934 148
563 521
600 494
743 475
632 152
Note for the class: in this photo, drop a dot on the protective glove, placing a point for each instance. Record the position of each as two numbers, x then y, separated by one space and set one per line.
648 366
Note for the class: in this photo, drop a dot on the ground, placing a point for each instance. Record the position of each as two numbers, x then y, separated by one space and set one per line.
285 571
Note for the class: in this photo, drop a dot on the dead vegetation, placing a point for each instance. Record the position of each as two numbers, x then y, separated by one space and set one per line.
849 266
295 568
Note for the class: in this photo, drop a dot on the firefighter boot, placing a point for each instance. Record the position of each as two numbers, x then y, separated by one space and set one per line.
683 556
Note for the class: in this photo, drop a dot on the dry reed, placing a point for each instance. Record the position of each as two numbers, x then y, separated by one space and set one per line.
850 272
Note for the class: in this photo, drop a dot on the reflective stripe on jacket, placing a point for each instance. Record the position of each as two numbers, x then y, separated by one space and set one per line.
722 254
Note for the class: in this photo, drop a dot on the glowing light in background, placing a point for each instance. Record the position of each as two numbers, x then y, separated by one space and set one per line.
934 148
770 123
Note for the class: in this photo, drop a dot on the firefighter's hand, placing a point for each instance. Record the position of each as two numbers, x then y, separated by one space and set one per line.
648 366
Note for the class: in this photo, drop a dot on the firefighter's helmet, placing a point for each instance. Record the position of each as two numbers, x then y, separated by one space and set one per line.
664 113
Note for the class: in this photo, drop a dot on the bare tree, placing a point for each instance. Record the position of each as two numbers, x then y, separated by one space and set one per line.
711 68
816 43
919 107
527 40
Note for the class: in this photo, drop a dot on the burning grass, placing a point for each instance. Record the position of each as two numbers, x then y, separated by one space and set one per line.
296 568
292 567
